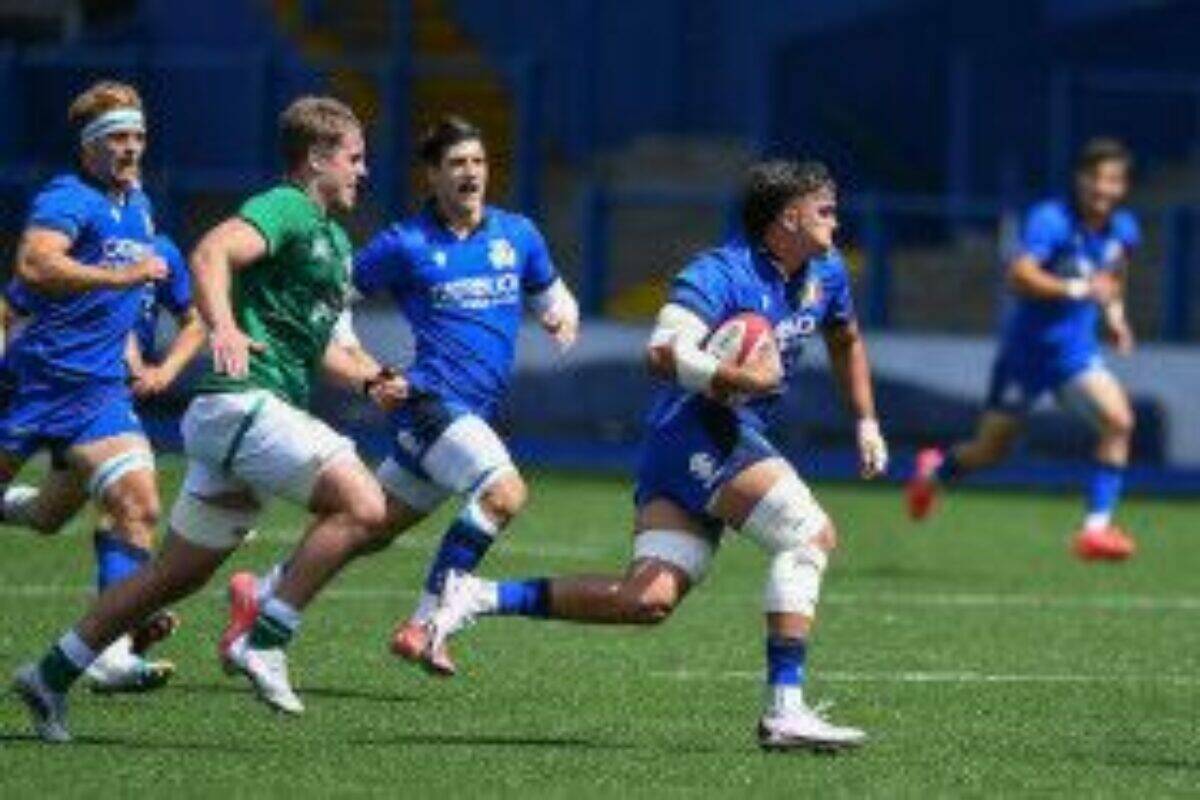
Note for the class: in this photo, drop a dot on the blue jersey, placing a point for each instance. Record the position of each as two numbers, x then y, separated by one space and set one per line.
173 295
737 277
1054 236
463 298
81 337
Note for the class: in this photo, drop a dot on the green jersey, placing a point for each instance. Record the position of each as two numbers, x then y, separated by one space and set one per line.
291 298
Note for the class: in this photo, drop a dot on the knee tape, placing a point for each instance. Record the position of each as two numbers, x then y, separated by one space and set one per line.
107 473
786 523
686 551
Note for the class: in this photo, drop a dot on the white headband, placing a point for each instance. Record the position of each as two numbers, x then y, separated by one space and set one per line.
119 119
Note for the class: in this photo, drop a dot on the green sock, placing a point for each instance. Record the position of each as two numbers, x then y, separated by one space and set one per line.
269 633
58 672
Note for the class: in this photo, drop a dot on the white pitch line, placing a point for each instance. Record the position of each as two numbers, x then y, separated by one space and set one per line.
951 677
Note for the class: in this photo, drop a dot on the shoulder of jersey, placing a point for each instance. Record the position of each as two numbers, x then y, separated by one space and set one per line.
1051 209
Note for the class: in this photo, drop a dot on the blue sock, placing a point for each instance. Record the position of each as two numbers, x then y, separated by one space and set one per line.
785 661
528 598
950 468
1104 488
116 560
463 547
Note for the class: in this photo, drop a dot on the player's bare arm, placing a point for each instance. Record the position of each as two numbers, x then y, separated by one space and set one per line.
1027 278
852 371
44 265
674 353
152 379
234 244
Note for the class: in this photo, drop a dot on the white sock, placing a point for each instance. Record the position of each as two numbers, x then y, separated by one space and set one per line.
267 584
282 613
76 650
1097 520
425 607
16 504
785 699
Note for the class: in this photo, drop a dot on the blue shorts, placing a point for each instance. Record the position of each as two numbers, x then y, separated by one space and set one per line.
693 452
1019 379
417 424
36 413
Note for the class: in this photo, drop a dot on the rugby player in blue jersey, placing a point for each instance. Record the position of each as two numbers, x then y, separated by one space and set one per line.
151 372
1068 278
707 463
461 273
84 256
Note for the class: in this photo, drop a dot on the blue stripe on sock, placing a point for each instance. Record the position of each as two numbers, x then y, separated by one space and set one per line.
527 598
785 661
462 548
1104 488
116 559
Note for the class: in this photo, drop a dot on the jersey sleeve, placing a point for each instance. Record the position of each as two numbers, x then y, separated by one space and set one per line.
277 215
1127 230
836 284
175 293
538 272
61 206
380 263
703 287
1044 232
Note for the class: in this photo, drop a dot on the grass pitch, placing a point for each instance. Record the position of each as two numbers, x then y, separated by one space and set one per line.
982 659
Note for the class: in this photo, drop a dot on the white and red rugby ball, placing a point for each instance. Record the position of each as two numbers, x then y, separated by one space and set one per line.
737 337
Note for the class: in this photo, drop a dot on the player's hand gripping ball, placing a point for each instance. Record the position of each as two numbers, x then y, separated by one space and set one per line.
746 341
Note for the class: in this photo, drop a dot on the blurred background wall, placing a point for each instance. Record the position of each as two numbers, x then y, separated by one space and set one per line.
621 127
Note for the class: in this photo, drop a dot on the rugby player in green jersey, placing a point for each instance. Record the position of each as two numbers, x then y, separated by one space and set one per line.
272 284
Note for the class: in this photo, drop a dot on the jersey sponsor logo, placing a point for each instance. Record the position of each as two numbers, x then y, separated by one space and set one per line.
501 254
703 467
477 292
439 258
122 251
321 250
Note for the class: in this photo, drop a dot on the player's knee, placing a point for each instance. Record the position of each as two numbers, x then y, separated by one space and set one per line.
504 499
135 512
827 539
1119 422
650 606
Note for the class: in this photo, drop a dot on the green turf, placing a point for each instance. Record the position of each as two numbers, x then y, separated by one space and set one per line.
982 659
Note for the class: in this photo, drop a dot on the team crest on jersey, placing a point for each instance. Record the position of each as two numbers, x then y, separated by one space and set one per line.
501 254
149 223
1113 251
439 257
812 292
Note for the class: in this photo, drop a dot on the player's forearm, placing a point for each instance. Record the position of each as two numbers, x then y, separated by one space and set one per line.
185 347
210 276
349 366
58 273
1027 279
852 371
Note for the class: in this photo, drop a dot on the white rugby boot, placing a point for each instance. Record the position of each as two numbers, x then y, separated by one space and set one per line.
804 728
118 669
47 709
268 672
463 598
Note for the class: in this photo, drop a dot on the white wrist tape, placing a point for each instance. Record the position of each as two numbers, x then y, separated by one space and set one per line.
694 368
1077 288
868 427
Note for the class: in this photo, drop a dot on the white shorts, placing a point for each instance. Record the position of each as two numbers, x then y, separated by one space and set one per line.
249 443
465 457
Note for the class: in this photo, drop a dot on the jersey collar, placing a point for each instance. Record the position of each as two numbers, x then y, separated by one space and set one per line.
435 219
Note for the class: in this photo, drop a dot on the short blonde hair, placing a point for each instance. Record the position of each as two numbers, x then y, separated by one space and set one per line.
310 123
99 98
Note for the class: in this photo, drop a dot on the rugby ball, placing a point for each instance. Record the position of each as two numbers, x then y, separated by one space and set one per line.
737 337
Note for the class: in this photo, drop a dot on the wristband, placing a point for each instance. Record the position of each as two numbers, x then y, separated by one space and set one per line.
384 374
1077 288
694 368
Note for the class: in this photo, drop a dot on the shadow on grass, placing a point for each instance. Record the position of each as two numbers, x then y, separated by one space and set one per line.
519 740
241 687
132 744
